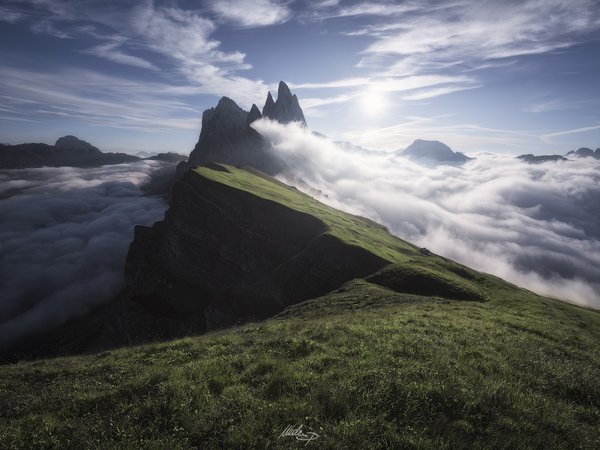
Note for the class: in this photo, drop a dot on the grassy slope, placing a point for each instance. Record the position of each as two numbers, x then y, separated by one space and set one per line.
364 367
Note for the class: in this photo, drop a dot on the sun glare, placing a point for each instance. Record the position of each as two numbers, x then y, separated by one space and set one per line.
373 102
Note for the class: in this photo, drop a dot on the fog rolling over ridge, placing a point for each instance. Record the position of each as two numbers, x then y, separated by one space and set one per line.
64 236
535 225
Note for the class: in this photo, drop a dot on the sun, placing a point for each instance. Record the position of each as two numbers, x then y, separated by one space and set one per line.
373 102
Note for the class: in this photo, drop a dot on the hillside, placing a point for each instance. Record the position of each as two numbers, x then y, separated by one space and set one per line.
415 352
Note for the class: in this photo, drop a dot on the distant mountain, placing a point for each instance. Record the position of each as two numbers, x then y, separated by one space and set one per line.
226 135
584 152
433 152
145 154
168 157
67 151
536 159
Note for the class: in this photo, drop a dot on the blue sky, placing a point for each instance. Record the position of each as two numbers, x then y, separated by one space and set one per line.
504 76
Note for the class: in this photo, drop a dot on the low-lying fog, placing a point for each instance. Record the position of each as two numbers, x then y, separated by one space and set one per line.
536 225
64 235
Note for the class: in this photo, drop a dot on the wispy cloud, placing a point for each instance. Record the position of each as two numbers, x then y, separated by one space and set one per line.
430 93
372 9
10 16
416 40
251 13
98 99
47 27
543 105
464 137
111 52
546 137
180 40
484 30
421 86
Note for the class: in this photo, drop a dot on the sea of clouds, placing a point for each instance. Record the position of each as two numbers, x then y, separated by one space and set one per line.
536 225
64 235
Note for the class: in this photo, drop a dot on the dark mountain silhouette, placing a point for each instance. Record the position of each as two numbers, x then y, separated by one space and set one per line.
585 153
582 152
167 157
227 137
286 109
433 152
68 151
536 159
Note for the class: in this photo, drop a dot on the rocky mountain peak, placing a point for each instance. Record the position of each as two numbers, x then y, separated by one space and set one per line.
253 115
226 135
269 107
73 143
286 109
283 91
226 104
433 152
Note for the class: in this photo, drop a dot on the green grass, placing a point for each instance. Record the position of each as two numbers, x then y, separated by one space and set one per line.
365 366
353 230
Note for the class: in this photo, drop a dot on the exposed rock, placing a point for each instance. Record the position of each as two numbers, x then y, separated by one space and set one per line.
433 153
537 159
269 108
226 135
584 152
286 109
227 138
253 115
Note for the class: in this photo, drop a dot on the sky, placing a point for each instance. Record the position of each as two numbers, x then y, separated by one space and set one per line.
509 77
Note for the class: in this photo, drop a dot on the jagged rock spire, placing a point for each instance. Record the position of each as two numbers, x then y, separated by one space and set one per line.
269 107
227 137
253 115
286 109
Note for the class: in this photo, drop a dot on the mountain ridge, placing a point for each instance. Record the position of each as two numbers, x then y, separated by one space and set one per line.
68 151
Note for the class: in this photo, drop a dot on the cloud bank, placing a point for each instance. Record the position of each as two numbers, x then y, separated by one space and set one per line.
535 225
64 235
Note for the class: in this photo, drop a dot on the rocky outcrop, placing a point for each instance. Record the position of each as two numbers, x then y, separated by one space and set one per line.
227 136
223 255
433 153
269 108
68 151
537 159
286 109
168 157
73 143
584 152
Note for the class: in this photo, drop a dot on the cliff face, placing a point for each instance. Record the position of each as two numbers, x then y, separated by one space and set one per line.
223 255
